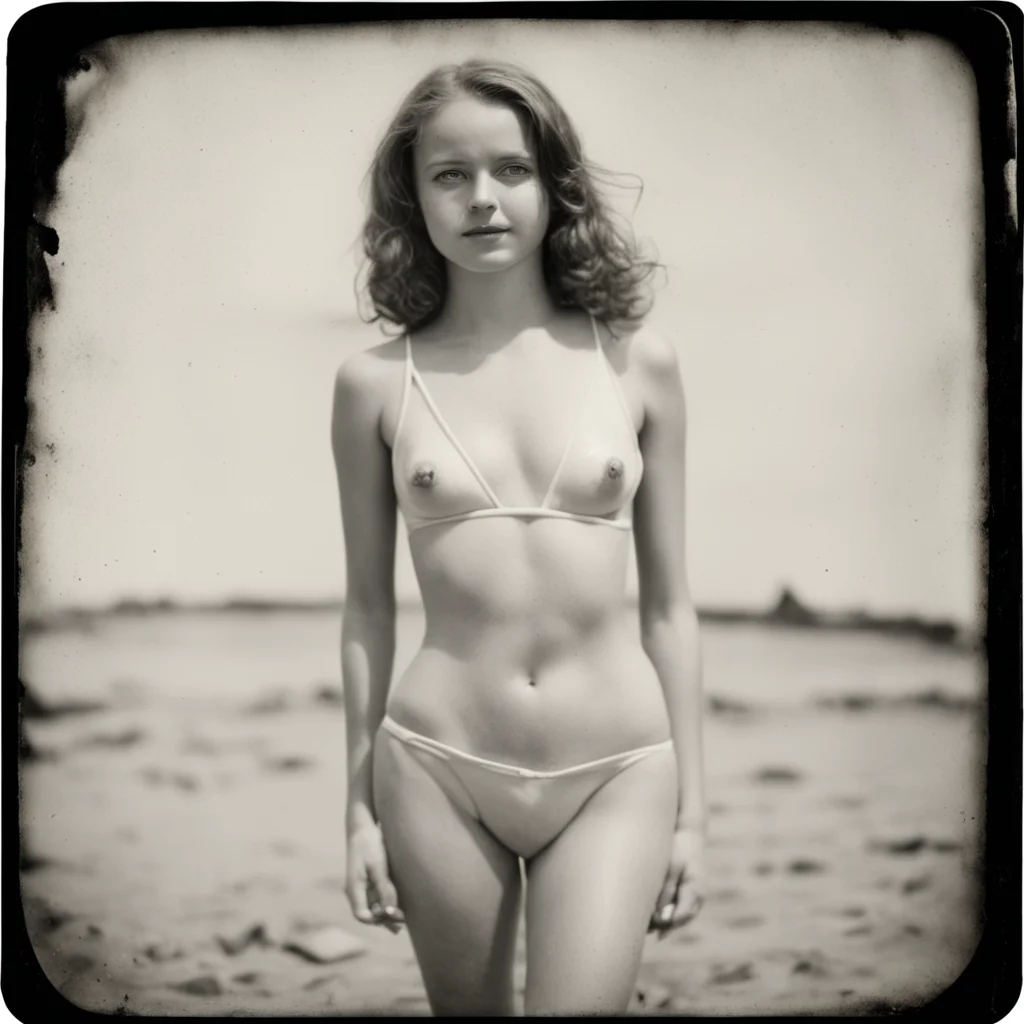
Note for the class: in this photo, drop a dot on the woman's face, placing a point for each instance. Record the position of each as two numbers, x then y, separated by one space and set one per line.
479 186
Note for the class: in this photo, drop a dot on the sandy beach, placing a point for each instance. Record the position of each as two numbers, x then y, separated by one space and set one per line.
180 854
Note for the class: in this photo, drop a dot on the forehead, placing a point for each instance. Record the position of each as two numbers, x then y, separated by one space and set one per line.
470 127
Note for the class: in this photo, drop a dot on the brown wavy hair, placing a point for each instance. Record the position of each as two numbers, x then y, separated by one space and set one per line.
590 262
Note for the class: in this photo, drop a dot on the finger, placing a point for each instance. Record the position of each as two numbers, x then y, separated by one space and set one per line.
360 906
383 901
688 906
388 898
381 890
667 895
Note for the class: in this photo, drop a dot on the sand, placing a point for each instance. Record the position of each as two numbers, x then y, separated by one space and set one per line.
174 852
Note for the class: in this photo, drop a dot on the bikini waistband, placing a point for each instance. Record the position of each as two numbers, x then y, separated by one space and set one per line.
414 739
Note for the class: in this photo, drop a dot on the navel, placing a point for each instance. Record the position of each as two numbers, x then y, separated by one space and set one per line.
424 475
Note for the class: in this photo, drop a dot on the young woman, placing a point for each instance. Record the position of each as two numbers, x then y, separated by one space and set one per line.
528 427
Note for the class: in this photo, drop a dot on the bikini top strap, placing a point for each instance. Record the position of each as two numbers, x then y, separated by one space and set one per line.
406 387
616 386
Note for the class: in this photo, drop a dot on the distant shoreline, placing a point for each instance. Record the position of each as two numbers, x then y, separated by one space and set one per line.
788 612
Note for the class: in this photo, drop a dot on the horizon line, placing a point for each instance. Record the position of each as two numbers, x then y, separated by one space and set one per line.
786 599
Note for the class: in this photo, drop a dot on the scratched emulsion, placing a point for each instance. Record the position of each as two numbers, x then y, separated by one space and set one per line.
64 116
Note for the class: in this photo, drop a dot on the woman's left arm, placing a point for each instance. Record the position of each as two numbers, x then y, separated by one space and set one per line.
668 619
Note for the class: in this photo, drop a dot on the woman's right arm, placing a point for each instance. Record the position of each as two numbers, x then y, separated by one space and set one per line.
368 517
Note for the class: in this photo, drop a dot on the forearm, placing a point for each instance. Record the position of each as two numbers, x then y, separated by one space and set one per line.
367 657
672 642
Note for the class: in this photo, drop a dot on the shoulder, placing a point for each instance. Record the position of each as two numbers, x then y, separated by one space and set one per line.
643 354
366 385
650 353
367 377
651 362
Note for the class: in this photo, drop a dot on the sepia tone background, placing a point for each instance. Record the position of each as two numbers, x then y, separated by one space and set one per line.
815 196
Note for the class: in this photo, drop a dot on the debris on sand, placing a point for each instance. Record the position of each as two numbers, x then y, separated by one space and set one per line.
287 763
29 752
732 974
161 952
813 965
54 919
805 867
917 884
324 945
942 700
333 696
203 985
652 996
720 705
33 707
778 773
255 935
33 862
899 847
125 738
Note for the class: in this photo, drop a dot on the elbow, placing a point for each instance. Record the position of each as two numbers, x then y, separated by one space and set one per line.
378 610
663 619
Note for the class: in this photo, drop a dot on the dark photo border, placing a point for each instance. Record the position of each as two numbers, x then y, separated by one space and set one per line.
45 46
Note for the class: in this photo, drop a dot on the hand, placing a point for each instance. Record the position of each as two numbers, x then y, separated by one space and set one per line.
682 895
367 883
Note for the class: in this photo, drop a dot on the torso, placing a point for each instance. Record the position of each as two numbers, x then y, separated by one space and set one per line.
528 657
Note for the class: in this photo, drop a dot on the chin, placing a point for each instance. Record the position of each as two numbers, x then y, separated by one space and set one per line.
487 262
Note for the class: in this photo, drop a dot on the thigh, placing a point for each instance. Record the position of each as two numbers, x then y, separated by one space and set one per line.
591 893
459 889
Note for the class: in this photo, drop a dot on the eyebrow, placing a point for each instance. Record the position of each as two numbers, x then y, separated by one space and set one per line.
449 161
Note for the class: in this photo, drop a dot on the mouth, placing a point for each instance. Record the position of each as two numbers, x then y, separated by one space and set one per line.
485 231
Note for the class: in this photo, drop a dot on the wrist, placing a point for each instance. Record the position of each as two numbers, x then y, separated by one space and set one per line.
359 815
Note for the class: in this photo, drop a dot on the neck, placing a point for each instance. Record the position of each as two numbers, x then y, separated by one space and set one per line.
497 306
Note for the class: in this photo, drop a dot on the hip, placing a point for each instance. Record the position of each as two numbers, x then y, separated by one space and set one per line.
498 702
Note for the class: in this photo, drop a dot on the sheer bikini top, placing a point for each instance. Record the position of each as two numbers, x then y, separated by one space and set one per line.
436 482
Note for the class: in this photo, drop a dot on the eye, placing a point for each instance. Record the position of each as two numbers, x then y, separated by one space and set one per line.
516 170
444 176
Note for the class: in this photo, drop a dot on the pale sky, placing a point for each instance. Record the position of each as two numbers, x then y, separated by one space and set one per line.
815 194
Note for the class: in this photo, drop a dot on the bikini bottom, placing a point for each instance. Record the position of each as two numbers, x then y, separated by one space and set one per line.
522 808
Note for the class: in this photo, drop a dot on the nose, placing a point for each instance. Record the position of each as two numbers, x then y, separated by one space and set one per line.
483 194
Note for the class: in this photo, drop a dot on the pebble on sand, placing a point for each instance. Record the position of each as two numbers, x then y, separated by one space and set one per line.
805 867
328 694
160 952
125 738
324 945
812 965
917 884
652 996
719 705
899 847
203 985
255 935
288 763
730 975
778 773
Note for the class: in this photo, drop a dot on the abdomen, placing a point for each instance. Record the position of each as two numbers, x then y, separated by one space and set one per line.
527 656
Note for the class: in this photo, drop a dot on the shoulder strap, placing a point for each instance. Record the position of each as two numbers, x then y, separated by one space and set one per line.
616 385
407 384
